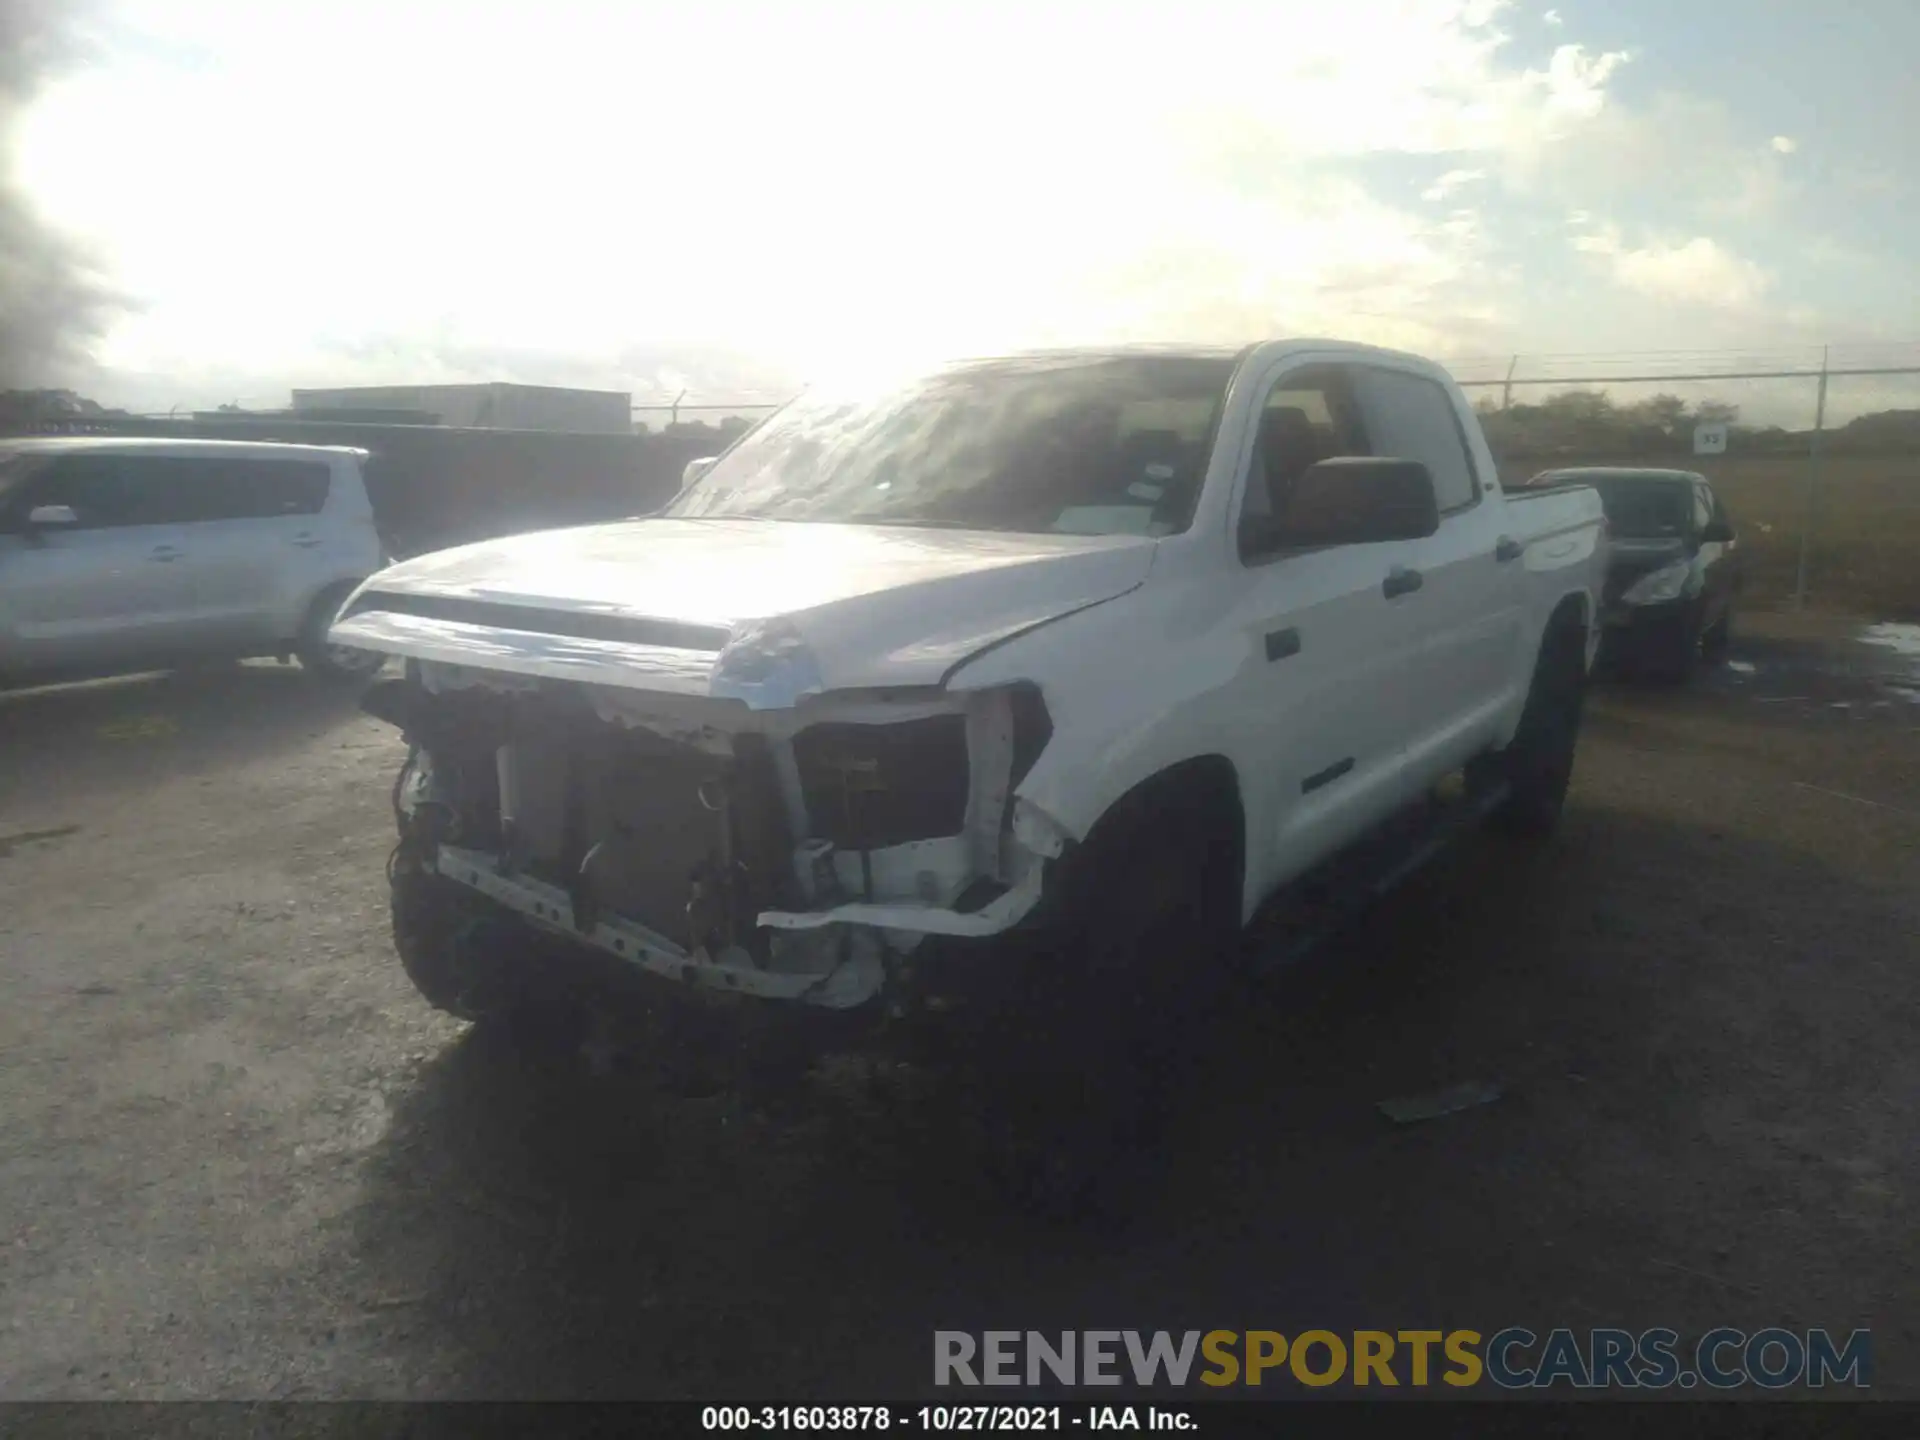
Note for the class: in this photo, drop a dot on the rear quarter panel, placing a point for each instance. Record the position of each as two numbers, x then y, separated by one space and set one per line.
347 549
1564 532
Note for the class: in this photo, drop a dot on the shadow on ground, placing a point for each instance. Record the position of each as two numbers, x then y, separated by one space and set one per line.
1700 1126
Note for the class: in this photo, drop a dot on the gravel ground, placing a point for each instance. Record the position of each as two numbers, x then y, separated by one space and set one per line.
239 1158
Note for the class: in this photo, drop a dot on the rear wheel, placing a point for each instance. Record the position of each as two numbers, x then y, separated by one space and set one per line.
341 663
1538 765
1092 1042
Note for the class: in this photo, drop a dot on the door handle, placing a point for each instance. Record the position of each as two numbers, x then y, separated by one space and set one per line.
305 542
1282 643
1507 548
164 553
1401 581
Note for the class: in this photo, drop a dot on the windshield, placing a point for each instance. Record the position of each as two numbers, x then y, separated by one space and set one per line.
1084 446
1646 507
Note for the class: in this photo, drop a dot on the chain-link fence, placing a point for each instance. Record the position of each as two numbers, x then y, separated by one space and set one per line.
1819 463
722 417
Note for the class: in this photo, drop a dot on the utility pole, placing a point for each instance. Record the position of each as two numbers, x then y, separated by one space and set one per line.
1506 388
1813 483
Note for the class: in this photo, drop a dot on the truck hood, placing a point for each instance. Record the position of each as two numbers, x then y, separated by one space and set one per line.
758 610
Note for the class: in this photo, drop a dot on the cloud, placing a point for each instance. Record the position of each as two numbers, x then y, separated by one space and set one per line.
53 301
1311 255
941 177
1450 182
1783 144
1552 17
1675 153
534 198
1699 271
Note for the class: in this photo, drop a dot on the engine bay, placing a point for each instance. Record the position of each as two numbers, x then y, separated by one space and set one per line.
747 849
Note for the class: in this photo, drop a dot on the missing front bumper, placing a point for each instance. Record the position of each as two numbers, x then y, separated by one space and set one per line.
837 968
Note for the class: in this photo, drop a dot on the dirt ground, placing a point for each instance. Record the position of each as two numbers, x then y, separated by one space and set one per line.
239 1158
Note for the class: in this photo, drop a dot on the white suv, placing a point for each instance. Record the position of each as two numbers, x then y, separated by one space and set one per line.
119 555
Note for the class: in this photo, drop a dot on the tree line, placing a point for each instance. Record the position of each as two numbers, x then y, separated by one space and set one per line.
1574 422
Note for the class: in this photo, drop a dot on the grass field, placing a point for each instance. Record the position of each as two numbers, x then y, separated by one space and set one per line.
1865 555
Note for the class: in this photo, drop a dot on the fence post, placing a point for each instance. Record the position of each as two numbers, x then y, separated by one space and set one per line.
1813 484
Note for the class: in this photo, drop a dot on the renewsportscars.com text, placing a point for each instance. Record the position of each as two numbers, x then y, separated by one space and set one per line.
1515 1358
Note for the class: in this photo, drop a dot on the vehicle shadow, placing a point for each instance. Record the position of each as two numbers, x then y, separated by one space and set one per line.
118 737
1686 1071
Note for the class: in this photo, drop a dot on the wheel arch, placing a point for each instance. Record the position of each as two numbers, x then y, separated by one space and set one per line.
1575 609
334 593
1204 789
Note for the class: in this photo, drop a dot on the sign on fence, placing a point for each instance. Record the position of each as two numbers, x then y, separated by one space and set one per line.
1710 439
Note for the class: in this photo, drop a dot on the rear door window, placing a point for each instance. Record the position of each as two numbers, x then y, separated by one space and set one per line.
264 489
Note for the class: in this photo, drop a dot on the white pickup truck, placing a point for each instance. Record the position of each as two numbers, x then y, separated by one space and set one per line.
1015 691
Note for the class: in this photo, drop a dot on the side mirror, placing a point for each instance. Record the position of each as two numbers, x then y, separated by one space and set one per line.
1349 500
51 517
1716 532
695 469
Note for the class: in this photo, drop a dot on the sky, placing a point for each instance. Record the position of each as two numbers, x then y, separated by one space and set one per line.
732 198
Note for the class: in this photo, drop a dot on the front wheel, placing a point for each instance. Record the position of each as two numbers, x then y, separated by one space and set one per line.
1094 1039
460 957
1674 653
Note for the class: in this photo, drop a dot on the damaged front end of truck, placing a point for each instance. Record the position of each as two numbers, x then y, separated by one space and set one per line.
688 803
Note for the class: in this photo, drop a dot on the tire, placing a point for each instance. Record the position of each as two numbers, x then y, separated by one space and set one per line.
1537 765
1105 1013
338 664
461 959
1717 638
1674 656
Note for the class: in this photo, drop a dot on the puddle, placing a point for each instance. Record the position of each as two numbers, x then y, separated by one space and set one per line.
1903 639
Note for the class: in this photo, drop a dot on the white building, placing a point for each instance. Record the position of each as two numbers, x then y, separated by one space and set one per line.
491 406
